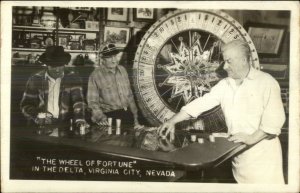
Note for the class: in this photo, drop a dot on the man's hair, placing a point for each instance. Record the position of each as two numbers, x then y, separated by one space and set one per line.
239 44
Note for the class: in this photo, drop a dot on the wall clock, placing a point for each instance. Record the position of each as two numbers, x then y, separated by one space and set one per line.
177 61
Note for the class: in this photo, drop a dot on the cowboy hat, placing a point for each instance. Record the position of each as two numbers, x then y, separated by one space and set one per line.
109 50
55 56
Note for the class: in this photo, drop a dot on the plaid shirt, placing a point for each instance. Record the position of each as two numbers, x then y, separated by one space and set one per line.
109 90
71 100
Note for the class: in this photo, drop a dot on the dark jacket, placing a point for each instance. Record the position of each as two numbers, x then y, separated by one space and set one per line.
71 99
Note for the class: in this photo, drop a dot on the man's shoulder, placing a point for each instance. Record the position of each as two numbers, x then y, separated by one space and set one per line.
71 73
97 70
122 69
264 76
223 82
38 75
265 79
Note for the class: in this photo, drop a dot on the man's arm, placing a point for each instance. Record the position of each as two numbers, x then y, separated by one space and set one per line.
30 100
77 97
195 108
169 126
130 96
133 109
273 116
249 139
132 105
93 100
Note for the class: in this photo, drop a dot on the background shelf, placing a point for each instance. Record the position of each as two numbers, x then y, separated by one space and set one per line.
42 50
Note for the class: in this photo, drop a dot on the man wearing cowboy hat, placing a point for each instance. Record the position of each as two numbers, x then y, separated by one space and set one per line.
109 92
56 92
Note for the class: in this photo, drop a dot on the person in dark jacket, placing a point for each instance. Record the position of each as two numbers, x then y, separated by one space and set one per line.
54 96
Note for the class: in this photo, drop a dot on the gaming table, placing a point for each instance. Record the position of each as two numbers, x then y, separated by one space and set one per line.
194 157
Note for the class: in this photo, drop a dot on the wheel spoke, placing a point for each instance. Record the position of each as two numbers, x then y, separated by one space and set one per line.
178 102
206 42
190 39
175 46
166 91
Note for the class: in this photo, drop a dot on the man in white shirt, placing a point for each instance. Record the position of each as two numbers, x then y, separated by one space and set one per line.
254 114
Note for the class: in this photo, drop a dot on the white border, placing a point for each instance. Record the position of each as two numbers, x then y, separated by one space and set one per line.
100 186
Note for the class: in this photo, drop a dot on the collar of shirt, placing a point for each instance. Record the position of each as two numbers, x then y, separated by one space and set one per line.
112 70
251 76
47 76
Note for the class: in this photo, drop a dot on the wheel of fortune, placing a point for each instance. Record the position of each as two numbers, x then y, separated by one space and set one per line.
179 60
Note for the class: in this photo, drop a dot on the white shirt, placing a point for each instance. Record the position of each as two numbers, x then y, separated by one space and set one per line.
53 95
255 104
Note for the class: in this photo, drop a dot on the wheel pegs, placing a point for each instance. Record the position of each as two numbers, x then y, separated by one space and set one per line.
200 140
212 138
193 138
109 120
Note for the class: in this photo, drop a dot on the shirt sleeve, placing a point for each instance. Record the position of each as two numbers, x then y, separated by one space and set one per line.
207 102
79 105
273 116
30 100
93 99
130 96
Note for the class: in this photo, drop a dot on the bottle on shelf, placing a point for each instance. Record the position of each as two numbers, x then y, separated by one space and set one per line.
36 17
48 19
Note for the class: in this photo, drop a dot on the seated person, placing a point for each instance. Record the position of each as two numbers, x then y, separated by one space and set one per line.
56 92
109 93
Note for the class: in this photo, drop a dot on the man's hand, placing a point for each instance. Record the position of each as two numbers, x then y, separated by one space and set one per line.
241 138
166 145
82 123
103 121
43 119
137 125
167 128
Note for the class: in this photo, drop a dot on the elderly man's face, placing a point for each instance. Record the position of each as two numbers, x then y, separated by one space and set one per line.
56 72
111 62
235 62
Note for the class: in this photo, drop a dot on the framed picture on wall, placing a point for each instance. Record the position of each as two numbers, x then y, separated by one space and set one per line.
267 38
117 14
92 25
63 41
278 71
143 14
117 35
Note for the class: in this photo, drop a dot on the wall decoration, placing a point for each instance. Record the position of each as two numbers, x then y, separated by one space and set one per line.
267 38
63 41
143 14
278 71
117 14
92 25
116 35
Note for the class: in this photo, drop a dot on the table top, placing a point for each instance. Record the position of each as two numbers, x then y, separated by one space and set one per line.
193 156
